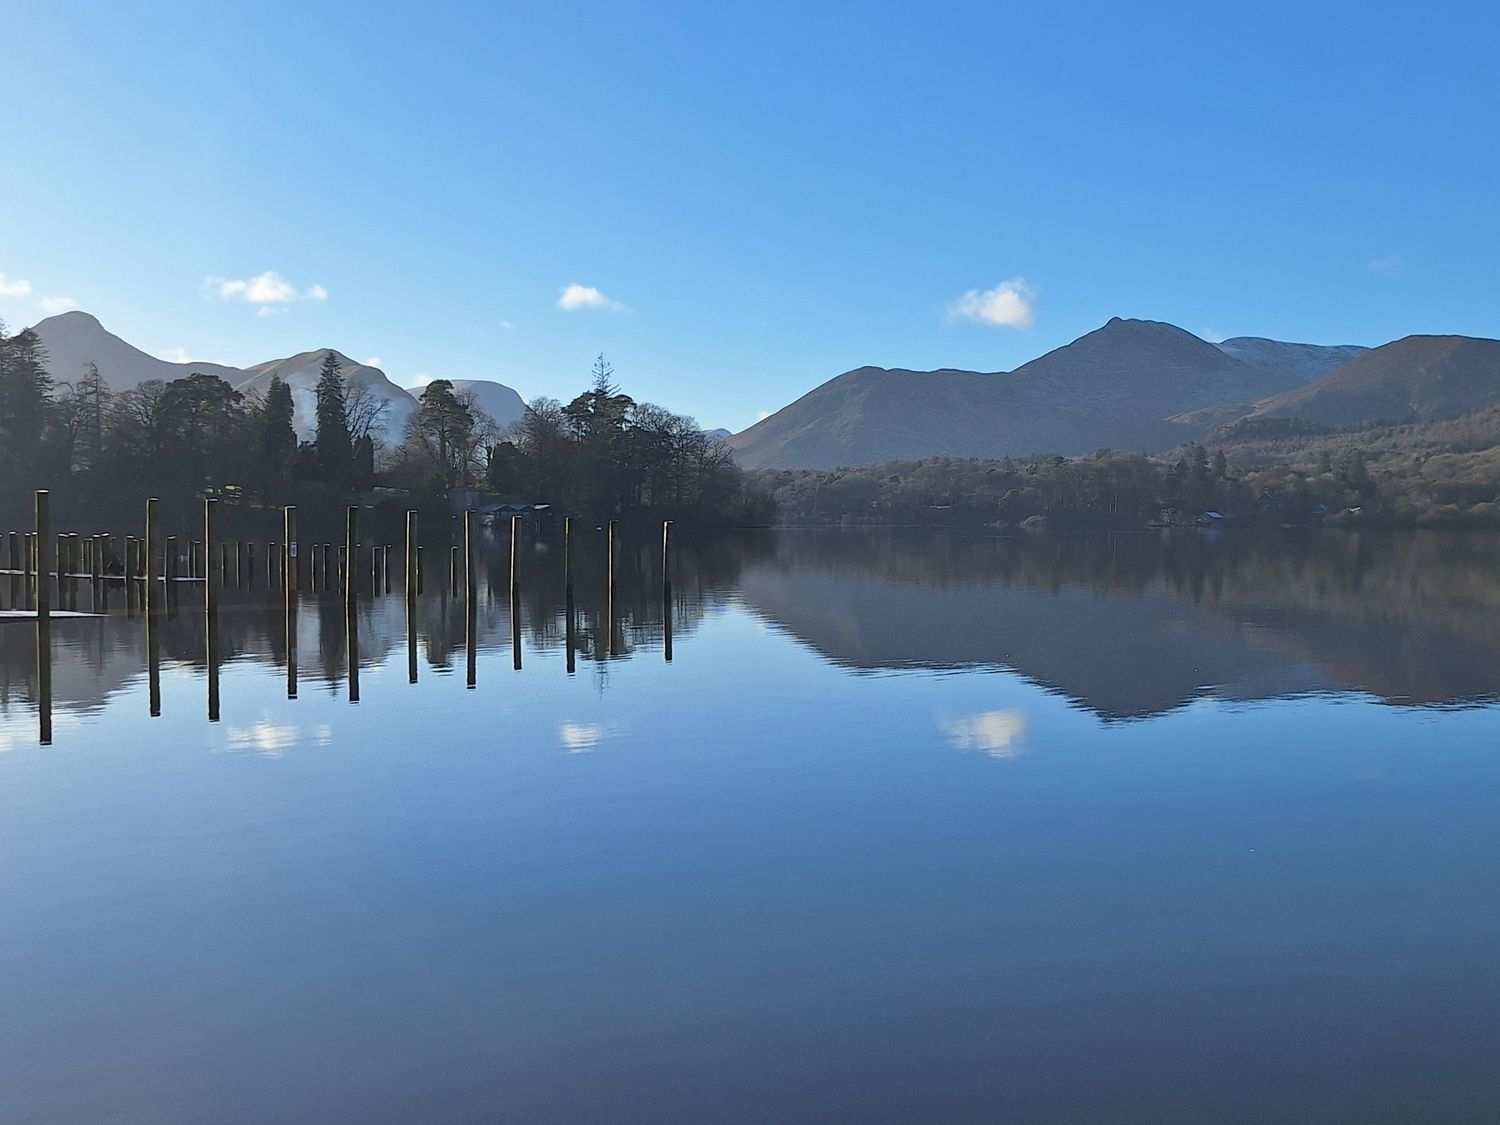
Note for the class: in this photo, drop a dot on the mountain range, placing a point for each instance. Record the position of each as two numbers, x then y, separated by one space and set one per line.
75 339
1132 384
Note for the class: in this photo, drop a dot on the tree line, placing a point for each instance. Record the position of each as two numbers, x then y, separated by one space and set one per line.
1339 483
601 456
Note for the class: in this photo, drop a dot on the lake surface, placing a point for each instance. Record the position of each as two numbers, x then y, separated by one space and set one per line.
912 826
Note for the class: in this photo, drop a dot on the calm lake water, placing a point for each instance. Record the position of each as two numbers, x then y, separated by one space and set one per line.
911 827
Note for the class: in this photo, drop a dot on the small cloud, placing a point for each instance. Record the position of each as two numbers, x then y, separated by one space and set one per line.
507 325
14 286
996 733
1011 304
182 355
54 305
420 379
270 291
763 415
1212 335
373 361
1386 267
575 297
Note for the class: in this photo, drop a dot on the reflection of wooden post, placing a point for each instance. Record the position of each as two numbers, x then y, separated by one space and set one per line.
453 571
569 614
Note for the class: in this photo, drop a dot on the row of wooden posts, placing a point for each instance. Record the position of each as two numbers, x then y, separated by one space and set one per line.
86 555
150 559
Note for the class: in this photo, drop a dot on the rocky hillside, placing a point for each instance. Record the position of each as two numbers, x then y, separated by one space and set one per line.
1418 378
1115 387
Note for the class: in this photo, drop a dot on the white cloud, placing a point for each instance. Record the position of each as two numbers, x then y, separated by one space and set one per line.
373 361
763 415
1011 304
1212 335
420 379
54 305
182 355
1385 266
270 291
996 733
575 297
14 286
507 325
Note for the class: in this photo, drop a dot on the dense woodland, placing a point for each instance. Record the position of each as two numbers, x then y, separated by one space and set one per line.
1441 474
602 455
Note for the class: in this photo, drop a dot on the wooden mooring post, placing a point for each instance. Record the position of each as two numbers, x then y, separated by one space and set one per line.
153 605
515 592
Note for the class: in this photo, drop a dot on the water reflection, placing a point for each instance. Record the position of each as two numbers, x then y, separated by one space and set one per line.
1124 626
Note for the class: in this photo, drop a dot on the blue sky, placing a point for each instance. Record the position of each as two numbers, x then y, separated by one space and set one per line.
749 198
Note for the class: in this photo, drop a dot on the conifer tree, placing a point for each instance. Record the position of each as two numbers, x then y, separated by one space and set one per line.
335 445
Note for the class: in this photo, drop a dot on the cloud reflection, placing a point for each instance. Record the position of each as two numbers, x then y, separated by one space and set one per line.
579 738
996 733
272 740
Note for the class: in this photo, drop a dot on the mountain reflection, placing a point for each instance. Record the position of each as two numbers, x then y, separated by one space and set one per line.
1125 626
1131 626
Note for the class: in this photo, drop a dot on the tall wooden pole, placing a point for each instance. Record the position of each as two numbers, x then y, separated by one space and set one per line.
515 592
610 598
411 595
153 602
44 506
351 588
471 609
211 613
289 523
43 621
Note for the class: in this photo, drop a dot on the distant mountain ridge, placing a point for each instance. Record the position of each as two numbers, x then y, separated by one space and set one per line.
1306 362
1416 378
1114 387
75 339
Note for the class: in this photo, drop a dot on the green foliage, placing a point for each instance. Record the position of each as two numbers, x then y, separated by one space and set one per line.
605 455
334 442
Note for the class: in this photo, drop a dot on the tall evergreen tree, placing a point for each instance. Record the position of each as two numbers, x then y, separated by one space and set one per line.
25 404
278 437
335 445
